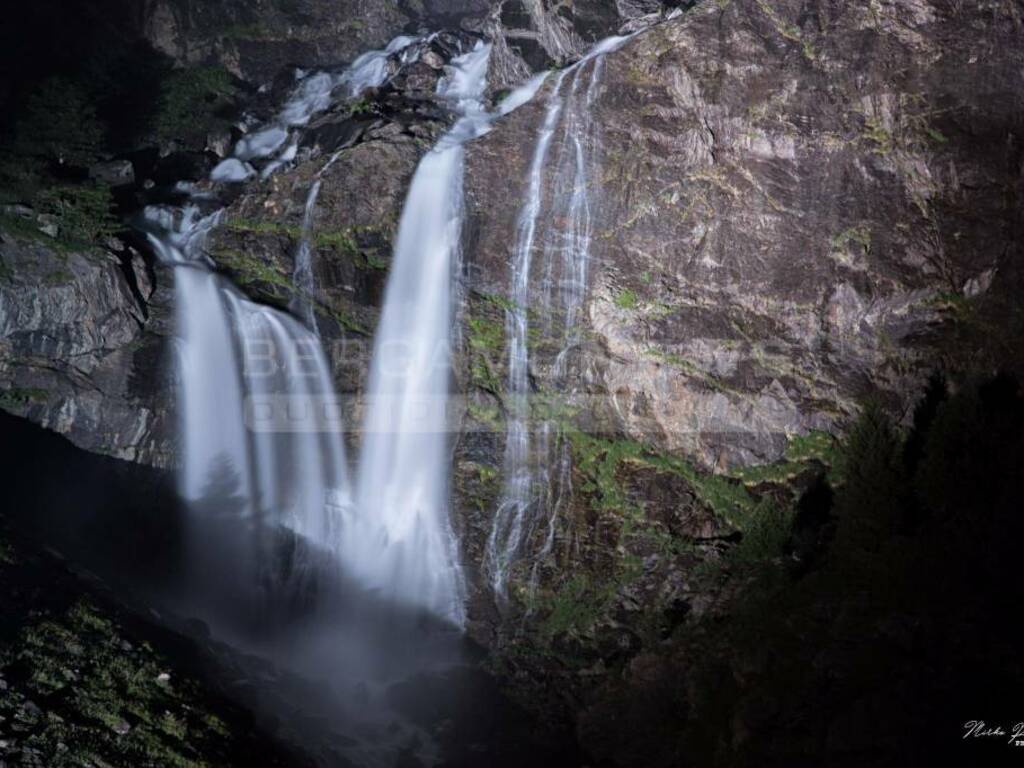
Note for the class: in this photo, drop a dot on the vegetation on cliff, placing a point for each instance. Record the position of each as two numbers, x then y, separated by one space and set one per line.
83 682
878 624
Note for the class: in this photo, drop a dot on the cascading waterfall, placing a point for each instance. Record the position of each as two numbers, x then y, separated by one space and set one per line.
234 358
261 435
408 549
536 465
239 361
302 277
314 94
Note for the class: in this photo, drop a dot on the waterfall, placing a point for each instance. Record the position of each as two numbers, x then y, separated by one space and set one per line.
259 422
236 361
313 94
537 463
408 549
302 277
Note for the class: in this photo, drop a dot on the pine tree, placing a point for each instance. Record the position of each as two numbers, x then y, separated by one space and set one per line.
871 503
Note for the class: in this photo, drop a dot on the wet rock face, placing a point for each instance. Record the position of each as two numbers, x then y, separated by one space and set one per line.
784 227
83 348
533 35
791 202
258 40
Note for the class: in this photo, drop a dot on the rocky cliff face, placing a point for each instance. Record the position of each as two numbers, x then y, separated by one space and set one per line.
793 202
796 205
83 346
379 141
257 41
800 206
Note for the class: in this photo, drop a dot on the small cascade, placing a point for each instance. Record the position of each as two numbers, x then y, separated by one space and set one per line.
554 222
238 361
277 143
302 277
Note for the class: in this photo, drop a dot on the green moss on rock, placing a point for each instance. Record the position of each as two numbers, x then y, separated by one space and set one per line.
18 398
248 269
79 685
486 340
627 299
599 459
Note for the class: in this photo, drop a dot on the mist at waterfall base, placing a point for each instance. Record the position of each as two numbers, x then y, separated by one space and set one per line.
123 523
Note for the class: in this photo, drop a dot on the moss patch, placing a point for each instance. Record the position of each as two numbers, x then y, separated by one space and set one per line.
818 447
627 299
343 319
77 688
261 227
248 269
342 241
485 334
599 459
19 398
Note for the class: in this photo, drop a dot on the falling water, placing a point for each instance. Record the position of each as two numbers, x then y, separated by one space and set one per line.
238 360
302 304
408 549
302 276
314 94
261 434
536 469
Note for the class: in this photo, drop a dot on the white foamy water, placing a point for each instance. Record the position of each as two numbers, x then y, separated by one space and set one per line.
260 429
302 277
393 533
537 463
314 94
408 549
232 356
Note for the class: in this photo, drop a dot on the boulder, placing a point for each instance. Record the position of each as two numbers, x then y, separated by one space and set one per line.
115 173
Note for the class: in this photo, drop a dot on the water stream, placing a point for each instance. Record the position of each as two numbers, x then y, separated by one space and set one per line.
260 427
407 548
554 219
302 277
261 430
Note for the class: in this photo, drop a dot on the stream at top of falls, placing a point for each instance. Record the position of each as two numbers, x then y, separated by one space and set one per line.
351 579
